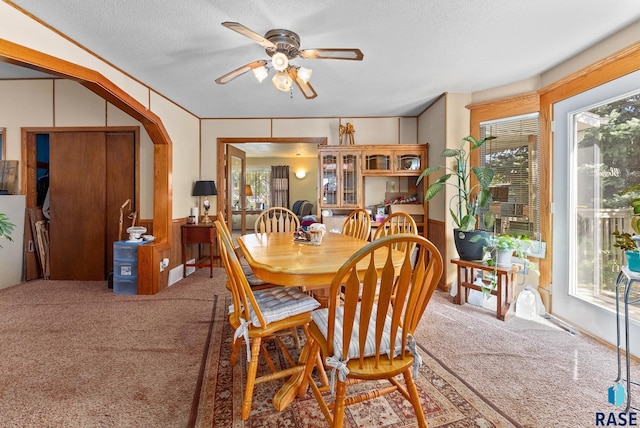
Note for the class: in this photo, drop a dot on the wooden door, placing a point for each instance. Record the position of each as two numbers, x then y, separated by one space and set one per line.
77 169
120 186
235 186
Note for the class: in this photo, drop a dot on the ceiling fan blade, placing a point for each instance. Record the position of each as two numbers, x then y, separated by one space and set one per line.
240 71
306 89
349 54
239 28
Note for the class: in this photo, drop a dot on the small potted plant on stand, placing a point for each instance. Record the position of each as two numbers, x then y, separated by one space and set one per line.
500 252
470 202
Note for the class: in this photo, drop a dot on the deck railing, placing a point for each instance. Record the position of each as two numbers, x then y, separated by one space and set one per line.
595 231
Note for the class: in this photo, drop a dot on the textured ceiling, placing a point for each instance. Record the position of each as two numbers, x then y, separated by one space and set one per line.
414 50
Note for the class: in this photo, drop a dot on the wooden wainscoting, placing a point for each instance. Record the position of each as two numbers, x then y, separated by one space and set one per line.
436 233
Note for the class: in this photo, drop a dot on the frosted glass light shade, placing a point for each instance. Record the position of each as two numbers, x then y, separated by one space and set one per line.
304 74
282 81
280 61
261 73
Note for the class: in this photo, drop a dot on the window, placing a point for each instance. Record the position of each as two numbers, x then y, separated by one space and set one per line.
259 178
514 156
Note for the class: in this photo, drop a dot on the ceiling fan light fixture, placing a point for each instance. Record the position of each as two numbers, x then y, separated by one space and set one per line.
280 61
304 74
282 81
261 73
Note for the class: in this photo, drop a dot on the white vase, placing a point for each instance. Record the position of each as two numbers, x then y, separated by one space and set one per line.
504 257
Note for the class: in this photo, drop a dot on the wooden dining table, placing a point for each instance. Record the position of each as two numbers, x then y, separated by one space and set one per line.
276 258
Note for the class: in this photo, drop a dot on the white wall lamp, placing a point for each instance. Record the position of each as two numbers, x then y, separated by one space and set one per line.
301 173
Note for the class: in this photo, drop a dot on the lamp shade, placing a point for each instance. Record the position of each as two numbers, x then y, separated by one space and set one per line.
205 188
248 191
282 81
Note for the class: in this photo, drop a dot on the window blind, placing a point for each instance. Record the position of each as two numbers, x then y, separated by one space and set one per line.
514 156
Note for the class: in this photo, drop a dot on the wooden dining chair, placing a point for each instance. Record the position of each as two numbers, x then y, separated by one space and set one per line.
253 280
395 223
368 337
358 225
277 219
256 315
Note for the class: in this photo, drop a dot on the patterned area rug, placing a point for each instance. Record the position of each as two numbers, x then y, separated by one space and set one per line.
447 401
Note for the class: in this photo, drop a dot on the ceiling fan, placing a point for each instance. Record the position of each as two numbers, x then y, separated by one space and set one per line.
282 46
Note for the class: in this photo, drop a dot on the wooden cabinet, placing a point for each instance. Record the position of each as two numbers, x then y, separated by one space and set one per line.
340 178
394 160
344 170
202 233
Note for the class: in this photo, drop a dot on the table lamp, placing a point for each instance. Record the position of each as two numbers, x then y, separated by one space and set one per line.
205 188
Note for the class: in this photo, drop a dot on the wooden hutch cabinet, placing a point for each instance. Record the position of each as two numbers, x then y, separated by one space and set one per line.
344 169
340 178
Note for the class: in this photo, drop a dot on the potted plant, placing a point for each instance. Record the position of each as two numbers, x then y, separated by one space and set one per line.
6 227
500 250
626 241
471 202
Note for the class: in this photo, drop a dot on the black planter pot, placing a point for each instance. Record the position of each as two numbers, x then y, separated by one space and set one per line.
470 249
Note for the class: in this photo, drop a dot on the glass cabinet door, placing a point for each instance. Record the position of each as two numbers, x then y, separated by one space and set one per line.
329 179
376 162
408 162
350 180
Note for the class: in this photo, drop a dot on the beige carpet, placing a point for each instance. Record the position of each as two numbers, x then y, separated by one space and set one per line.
74 354
537 373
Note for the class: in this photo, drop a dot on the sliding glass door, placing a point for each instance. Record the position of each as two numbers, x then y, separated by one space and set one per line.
596 156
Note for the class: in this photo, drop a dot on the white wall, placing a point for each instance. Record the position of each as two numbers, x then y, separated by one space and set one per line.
11 253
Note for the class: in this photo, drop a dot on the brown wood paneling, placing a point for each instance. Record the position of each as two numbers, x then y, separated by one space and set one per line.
77 225
436 232
150 279
120 187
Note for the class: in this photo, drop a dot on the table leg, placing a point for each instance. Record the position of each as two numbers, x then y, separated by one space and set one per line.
287 392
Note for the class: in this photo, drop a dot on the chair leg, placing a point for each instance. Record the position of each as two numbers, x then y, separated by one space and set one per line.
251 378
339 405
311 352
235 347
415 398
296 339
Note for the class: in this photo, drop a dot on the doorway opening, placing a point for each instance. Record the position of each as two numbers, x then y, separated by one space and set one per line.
247 145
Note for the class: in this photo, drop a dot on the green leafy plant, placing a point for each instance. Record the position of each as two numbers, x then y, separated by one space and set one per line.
520 245
6 227
635 205
470 200
624 240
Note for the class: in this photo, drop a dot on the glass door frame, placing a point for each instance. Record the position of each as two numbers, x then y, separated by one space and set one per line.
594 319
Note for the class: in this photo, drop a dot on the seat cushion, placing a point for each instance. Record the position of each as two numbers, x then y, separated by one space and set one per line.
278 303
251 277
320 318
